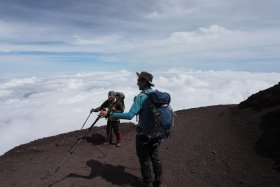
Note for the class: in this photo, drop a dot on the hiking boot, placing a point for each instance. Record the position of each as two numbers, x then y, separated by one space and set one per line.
118 144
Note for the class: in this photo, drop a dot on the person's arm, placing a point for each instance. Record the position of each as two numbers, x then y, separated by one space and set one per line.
134 110
104 105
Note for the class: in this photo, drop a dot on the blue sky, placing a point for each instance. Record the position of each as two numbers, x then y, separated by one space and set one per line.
78 36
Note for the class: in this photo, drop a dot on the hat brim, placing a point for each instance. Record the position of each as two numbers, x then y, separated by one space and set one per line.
139 75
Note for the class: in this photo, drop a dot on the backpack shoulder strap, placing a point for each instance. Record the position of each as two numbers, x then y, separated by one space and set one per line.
147 92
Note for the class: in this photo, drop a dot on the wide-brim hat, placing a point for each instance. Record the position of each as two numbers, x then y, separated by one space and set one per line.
147 76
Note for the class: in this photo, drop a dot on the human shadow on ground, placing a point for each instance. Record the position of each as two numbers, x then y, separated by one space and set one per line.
113 174
96 139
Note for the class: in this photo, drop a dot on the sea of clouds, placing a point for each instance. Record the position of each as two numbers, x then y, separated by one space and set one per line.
33 107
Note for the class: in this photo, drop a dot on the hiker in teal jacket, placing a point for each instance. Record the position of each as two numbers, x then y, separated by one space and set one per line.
147 150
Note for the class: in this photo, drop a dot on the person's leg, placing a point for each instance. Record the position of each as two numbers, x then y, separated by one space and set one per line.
157 166
109 135
144 160
116 128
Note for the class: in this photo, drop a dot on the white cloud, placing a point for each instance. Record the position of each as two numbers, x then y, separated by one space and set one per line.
180 48
99 41
36 107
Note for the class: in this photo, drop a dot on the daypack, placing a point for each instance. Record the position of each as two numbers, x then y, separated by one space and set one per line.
162 113
120 98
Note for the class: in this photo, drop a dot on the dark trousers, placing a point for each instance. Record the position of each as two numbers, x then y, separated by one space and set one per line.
148 152
113 126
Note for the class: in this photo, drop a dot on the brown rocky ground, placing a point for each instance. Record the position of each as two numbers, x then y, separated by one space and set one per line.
225 145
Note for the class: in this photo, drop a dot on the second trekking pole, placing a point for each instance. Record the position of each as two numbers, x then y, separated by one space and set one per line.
86 121
72 148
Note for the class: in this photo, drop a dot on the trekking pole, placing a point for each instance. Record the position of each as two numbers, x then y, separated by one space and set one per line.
86 120
72 148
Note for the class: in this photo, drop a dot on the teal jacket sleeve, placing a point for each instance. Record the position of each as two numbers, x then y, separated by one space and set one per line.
135 108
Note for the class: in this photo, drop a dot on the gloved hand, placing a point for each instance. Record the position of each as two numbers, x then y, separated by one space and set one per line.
104 113
94 110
